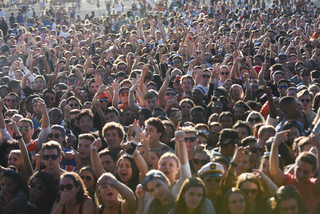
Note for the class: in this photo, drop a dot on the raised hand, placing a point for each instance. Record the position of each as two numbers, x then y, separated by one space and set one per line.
140 192
280 136
96 144
179 136
239 152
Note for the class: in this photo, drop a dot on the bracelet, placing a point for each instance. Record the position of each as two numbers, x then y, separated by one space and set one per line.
33 205
18 137
60 205
114 183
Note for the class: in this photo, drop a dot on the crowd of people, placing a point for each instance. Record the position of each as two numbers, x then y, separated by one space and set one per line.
185 107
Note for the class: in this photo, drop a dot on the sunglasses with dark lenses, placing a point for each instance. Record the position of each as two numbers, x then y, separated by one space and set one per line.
68 186
241 105
53 157
33 185
224 73
76 105
73 80
170 94
256 149
205 76
254 86
176 62
197 161
283 87
122 68
8 100
55 135
286 209
211 179
305 100
49 98
149 178
124 94
282 58
257 119
105 100
252 191
88 178
25 128
191 139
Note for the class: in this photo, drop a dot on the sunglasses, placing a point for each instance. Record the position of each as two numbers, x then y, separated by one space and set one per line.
149 178
210 179
87 178
256 119
305 100
68 186
254 86
224 73
176 62
8 100
241 105
105 100
53 157
170 94
73 80
256 149
55 135
191 139
282 58
25 128
206 76
49 98
124 94
286 209
2 62
216 106
33 185
197 161
76 105
252 191
122 68
283 87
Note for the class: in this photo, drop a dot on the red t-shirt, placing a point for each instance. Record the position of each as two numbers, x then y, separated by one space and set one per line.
309 191
32 148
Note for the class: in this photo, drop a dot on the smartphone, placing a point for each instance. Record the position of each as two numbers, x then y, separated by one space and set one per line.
131 150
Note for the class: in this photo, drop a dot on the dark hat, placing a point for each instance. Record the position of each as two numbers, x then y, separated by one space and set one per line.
123 90
228 136
4 48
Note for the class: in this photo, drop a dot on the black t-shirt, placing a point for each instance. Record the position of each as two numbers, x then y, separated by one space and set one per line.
218 205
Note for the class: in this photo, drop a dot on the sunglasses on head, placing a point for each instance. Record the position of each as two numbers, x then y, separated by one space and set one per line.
205 76
55 135
256 119
25 128
305 100
104 100
211 179
53 157
191 139
286 209
256 149
197 161
76 105
283 87
224 73
67 186
87 178
252 191
149 178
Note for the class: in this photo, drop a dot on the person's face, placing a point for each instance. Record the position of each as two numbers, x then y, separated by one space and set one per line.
314 90
18 75
113 139
204 79
177 87
257 61
236 93
168 135
289 206
49 99
74 104
293 134
107 192
239 113
277 77
202 140
3 92
14 160
226 122
26 134
51 158
39 84
236 203
242 132
73 192
199 160
169 167
254 119
124 97
197 117
193 197
185 109
303 171
243 165
176 63
256 151
141 119
9 185
129 116
152 103
83 97
197 95
84 148
125 170
251 190
11 102
70 142
94 88
88 179
158 188
216 107
108 164
292 93
56 135
152 161
85 124
265 167
305 102
112 117
283 87
191 142
56 117
187 85
154 135
36 182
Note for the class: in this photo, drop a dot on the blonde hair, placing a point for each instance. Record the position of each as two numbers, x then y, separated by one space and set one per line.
170 155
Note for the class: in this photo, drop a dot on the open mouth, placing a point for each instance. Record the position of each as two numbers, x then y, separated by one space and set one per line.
110 194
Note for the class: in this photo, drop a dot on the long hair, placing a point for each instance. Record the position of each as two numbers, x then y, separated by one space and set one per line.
134 181
180 203
77 181
285 193
226 200
249 177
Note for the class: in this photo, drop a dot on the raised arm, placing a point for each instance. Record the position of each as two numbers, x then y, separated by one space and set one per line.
135 108
95 160
45 125
163 89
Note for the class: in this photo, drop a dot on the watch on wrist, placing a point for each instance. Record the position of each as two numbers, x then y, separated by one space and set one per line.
17 137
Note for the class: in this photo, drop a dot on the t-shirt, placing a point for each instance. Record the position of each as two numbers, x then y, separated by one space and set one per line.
309 192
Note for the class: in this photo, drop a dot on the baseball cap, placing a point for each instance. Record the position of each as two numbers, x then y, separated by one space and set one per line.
211 169
228 136
102 95
123 90
282 54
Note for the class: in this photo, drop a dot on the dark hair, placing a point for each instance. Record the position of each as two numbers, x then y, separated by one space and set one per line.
84 112
77 182
226 200
226 113
134 181
108 152
111 109
12 173
180 203
156 122
244 125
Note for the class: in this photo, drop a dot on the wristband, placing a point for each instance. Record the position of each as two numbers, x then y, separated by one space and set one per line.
33 205
18 137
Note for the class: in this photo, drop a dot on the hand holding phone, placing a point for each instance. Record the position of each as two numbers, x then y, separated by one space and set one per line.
132 146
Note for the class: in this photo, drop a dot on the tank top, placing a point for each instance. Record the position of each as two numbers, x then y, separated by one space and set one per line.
102 208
